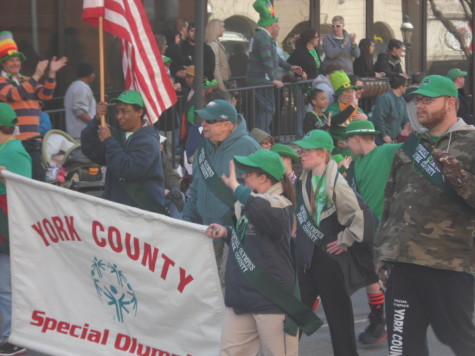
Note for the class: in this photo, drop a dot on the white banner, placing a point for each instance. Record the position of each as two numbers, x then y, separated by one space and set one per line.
91 277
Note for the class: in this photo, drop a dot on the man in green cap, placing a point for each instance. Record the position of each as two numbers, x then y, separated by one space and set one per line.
210 200
425 239
368 175
14 158
131 153
264 63
465 106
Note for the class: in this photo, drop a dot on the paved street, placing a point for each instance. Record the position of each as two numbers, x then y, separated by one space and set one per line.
320 343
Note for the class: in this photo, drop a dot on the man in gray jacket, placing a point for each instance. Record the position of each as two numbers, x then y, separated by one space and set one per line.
340 46
211 201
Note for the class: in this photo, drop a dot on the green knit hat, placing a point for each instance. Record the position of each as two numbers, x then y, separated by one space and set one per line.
268 161
266 13
340 82
316 139
286 151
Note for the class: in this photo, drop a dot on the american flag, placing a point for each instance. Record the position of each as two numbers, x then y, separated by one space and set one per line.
142 62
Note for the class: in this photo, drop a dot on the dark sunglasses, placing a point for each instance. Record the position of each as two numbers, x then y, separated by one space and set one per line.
360 88
212 122
337 26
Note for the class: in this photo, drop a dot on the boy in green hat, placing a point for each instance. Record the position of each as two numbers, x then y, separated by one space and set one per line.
264 63
14 158
368 175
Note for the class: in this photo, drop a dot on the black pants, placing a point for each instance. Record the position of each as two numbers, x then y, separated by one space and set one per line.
325 278
33 147
419 296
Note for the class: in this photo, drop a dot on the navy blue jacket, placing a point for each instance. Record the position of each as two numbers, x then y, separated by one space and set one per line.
267 242
136 159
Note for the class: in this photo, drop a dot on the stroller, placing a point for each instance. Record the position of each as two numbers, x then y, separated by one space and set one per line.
66 165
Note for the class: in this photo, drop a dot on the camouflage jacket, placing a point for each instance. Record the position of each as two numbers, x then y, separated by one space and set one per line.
422 224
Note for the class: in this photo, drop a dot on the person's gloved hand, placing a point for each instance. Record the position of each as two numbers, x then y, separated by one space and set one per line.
451 168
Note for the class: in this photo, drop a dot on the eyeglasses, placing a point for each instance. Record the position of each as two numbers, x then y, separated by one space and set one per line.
426 100
359 88
337 26
304 151
212 122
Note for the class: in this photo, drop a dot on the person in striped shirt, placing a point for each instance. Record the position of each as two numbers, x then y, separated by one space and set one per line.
23 94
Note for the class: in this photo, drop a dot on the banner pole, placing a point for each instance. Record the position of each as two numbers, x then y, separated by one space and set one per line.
101 67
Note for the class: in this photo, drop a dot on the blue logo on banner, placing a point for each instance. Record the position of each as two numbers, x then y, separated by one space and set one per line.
113 288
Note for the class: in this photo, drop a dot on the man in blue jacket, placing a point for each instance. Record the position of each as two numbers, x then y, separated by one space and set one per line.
211 201
130 152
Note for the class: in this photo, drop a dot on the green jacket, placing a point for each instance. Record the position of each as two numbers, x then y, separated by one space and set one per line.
203 207
422 224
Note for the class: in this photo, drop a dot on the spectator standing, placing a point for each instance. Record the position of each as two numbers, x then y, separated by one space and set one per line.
389 62
225 135
316 119
322 82
343 111
390 113
24 93
175 53
188 48
363 65
464 111
425 240
14 158
222 72
305 54
340 45
411 106
131 153
79 101
264 62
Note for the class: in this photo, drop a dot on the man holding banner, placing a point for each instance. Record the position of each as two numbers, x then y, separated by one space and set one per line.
131 153
211 201
15 158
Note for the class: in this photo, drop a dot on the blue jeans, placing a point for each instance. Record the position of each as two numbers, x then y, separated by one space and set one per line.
265 108
5 295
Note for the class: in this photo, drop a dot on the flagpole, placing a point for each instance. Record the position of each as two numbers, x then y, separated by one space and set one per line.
101 66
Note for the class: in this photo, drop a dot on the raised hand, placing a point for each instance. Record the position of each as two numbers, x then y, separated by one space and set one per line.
231 181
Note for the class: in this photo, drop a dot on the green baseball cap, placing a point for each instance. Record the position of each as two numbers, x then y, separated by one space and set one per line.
268 161
7 115
361 127
130 97
286 151
218 109
455 73
436 85
316 139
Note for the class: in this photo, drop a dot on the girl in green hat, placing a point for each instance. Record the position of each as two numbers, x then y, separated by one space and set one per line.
330 226
265 217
